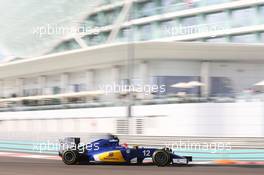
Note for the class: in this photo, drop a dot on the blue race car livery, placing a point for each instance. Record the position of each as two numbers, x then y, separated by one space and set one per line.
110 151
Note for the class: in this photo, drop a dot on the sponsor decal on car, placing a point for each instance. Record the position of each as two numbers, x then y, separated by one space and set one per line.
113 156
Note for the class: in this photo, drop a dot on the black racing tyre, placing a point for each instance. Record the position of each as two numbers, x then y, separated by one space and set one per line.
161 158
139 161
70 157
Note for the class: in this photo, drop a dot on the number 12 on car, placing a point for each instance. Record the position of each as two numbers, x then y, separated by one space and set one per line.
146 153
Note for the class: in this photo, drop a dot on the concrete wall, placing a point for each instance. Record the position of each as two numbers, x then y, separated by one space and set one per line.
207 119
175 68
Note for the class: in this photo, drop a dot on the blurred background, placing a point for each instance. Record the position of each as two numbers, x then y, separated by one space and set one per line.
136 67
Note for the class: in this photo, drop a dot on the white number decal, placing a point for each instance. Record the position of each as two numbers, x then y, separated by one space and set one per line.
146 153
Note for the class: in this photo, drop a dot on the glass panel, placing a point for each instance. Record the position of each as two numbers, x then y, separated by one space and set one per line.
171 80
145 32
212 2
147 8
96 39
92 20
56 90
168 28
125 34
107 2
243 17
213 18
217 40
66 45
78 87
189 21
261 13
221 86
175 5
262 37
217 21
248 38
111 16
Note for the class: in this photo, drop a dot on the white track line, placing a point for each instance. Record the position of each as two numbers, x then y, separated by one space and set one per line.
32 156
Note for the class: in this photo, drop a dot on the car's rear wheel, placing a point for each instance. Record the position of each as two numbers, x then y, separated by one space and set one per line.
161 158
70 157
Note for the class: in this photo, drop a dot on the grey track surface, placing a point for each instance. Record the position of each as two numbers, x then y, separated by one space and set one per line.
24 166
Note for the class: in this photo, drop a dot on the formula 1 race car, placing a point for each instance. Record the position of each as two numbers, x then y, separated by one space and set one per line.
110 151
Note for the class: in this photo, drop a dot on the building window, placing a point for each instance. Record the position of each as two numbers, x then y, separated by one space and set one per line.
189 21
175 5
212 2
110 16
168 81
216 21
168 28
194 41
168 3
147 8
247 38
145 32
243 17
92 40
125 34
56 90
261 13
66 45
78 87
216 40
30 92
221 87
261 37
92 20
213 18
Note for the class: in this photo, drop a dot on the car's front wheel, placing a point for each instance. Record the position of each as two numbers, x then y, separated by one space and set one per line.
161 158
70 157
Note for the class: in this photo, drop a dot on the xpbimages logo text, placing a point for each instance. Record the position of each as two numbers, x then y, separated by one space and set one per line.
145 89
180 145
64 30
49 146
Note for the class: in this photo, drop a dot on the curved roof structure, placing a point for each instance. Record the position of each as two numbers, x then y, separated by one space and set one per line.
142 51
238 21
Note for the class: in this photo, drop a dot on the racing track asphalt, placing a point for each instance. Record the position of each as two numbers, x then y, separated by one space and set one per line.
26 166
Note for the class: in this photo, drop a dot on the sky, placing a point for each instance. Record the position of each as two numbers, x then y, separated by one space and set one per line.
21 19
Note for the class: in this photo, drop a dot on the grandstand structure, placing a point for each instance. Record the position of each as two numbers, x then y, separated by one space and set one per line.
200 51
217 44
237 21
